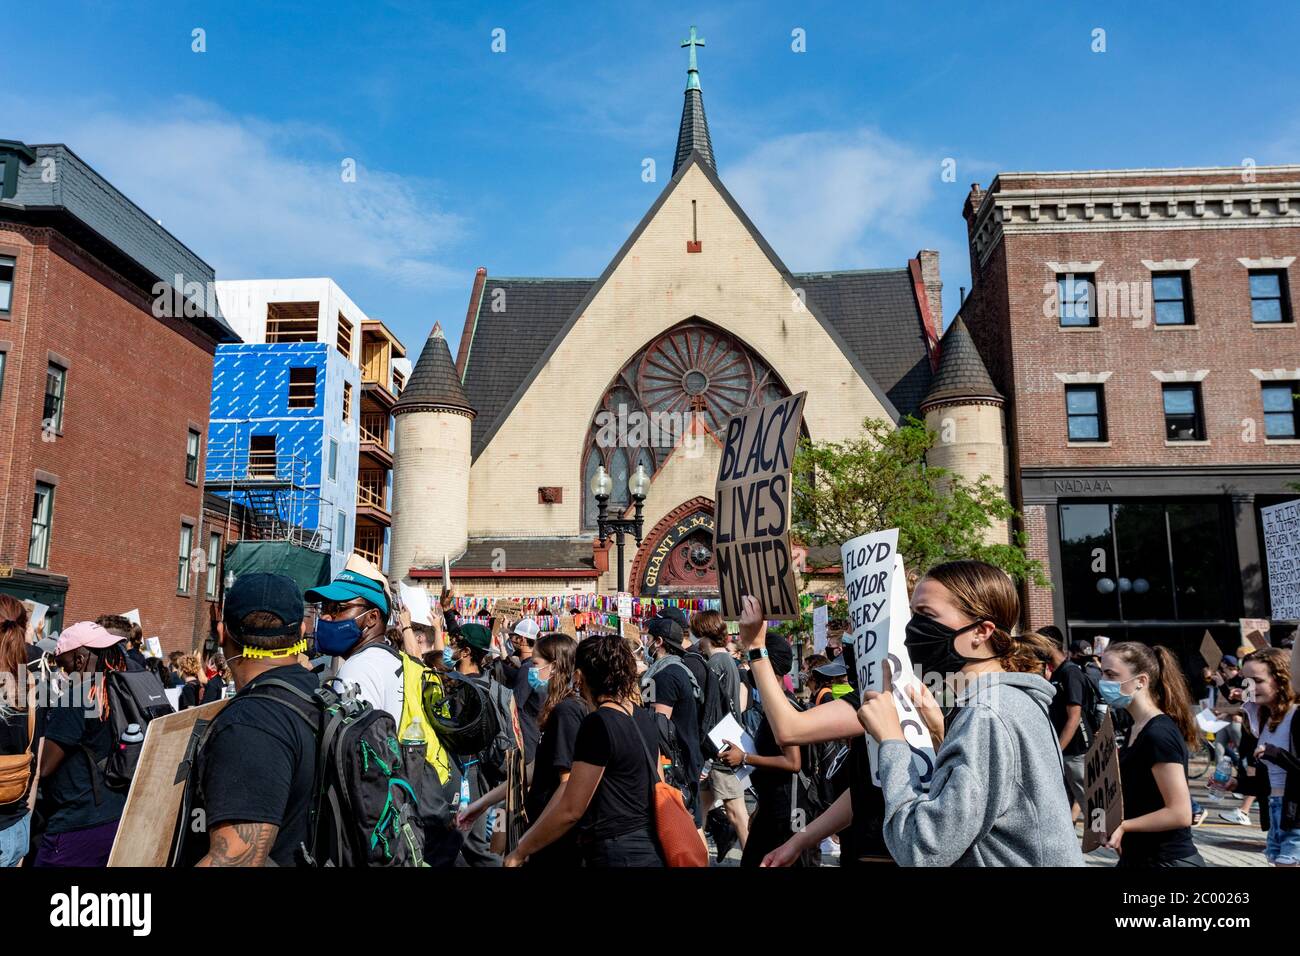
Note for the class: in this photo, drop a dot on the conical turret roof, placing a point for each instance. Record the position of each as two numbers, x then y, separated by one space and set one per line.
961 373
434 383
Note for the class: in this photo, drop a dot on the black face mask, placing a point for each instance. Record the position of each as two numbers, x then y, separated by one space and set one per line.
932 645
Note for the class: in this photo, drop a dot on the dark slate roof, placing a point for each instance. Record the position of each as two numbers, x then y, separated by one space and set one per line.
506 345
876 312
961 370
433 381
528 554
693 135
96 215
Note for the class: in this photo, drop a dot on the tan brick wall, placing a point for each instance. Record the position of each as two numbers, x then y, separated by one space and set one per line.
430 490
657 285
971 443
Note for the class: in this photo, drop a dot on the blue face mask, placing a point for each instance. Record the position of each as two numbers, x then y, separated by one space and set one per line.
448 658
336 638
1110 693
535 682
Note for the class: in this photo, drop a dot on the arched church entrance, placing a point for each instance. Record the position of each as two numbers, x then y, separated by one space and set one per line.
676 558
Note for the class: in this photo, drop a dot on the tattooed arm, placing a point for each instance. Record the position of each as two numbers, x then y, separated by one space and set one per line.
239 844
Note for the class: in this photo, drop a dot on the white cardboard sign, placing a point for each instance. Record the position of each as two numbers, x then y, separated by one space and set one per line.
876 587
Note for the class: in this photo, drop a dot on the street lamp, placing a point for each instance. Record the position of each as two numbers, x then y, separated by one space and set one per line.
638 487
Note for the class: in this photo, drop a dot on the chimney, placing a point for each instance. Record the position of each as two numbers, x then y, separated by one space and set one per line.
929 259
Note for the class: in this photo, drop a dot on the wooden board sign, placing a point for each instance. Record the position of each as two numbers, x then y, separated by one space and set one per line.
1103 801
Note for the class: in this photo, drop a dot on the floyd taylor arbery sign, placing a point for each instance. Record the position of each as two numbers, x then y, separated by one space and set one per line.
751 537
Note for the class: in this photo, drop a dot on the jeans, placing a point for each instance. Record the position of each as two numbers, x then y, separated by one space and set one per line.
637 848
13 841
1282 846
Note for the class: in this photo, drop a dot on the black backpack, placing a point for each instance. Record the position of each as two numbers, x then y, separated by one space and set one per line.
494 759
364 811
134 697
714 708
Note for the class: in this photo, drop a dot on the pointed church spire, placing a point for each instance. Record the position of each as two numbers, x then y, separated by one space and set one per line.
433 384
694 131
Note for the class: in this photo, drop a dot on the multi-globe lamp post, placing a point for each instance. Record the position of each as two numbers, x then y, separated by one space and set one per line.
638 486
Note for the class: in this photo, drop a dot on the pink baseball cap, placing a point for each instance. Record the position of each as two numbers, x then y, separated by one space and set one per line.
84 634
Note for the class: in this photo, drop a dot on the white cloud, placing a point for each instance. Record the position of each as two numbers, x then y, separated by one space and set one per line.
834 200
258 199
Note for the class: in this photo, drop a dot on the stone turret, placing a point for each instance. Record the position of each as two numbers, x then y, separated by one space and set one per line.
431 463
966 411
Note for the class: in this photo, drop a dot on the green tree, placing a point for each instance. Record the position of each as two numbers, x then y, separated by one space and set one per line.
881 480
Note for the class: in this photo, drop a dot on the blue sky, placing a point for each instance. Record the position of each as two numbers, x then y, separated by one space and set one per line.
529 161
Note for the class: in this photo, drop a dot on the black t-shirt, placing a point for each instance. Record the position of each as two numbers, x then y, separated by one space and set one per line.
1159 742
865 836
529 704
13 740
68 796
672 687
259 763
771 787
1071 688
608 738
214 689
554 753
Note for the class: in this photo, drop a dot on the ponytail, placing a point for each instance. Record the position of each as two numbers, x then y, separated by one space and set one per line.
1026 653
13 649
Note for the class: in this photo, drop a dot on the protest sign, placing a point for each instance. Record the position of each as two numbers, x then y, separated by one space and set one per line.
152 647
876 588
1099 645
446 573
1282 554
1254 632
1210 651
569 626
751 538
1103 799
417 603
728 731
133 616
821 617
149 820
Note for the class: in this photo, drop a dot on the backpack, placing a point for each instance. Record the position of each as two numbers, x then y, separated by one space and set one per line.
1090 719
364 811
134 697
714 706
495 757
670 746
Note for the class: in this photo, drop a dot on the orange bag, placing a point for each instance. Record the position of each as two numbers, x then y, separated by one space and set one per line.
674 826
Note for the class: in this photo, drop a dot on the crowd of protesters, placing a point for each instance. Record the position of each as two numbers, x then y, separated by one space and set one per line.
524 745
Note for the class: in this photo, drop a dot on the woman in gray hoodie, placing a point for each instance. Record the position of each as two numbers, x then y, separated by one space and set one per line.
997 794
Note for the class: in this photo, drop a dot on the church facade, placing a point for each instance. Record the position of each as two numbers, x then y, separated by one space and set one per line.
695 318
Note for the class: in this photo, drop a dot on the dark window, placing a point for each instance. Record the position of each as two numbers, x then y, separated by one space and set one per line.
261 456
334 460
1146 560
214 565
1085 413
302 388
3 356
1077 300
340 544
183 568
1172 295
1280 408
6 284
1269 302
56 380
38 546
1184 419
192 456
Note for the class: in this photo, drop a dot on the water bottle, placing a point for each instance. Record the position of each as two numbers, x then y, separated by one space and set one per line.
1223 771
413 735
464 792
132 735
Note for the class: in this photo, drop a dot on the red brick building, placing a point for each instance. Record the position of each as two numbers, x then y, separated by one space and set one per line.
107 333
1141 324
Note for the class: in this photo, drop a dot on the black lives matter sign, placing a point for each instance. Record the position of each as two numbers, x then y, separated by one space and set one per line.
751 538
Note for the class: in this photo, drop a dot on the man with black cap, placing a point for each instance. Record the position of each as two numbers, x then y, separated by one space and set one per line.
256 770
669 686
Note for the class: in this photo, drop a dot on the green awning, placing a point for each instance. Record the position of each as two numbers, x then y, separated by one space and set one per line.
309 568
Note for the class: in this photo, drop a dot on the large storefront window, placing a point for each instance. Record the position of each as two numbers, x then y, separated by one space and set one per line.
1143 561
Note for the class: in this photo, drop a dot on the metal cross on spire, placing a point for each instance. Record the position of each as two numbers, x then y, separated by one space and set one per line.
693 71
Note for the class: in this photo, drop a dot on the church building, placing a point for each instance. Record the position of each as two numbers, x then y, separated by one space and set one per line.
556 382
